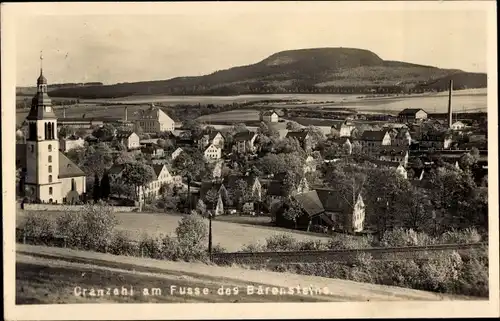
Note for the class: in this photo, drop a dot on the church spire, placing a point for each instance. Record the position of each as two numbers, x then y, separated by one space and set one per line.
41 63
42 81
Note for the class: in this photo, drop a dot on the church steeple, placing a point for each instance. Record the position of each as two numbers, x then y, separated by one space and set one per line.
41 105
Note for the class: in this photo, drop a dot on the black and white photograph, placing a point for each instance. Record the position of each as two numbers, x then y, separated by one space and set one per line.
181 155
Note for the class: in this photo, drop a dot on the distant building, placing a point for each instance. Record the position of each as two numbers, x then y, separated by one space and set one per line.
371 140
302 137
345 143
176 153
129 139
212 138
398 167
402 138
71 142
458 125
154 120
310 165
153 151
270 116
213 152
412 114
344 129
245 142
436 141
76 123
399 154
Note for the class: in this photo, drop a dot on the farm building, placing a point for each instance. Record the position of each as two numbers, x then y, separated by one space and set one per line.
154 120
269 116
412 114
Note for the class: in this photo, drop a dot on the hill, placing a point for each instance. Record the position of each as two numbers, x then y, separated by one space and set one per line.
319 70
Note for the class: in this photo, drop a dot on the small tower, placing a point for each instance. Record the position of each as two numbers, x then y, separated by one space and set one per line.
42 147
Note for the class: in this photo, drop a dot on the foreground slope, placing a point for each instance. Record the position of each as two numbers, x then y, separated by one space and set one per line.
303 70
50 275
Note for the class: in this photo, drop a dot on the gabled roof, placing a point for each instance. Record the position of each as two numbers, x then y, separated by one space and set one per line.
410 111
116 169
334 200
341 140
269 113
299 135
244 136
124 134
67 168
373 135
207 186
213 134
157 169
310 203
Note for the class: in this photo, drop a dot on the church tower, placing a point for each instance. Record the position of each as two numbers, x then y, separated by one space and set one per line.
42 147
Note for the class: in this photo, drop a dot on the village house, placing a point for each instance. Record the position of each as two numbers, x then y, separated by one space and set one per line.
402 138
48 176
435 141
345 144
213 152
269 116
458 125
222 196
129 139
398 167
344 129
162 176
310 164
371 140
253 184
277 190
411 115
153 151
212 138
71 142
154 120
244 142
176 153
399 154
302 137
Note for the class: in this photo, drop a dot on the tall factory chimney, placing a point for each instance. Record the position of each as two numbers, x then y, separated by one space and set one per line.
64 111
126 113
450 109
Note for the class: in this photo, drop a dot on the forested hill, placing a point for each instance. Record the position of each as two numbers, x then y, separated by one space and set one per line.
320 70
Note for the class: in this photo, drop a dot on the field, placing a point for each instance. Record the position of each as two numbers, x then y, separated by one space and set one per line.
50 275
230 235
236 116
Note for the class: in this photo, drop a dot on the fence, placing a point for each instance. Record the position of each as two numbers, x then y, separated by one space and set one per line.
343 256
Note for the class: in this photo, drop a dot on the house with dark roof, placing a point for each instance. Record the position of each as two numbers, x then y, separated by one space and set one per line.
343 129
329 208
435 141
371 140
410 115
153 151
154 120
269 116
244 142
399 154
277 190
129 139
302 137
211 138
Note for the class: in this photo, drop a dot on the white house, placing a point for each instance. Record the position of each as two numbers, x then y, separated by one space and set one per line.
245 142
458 125
345 129
176 153
270 116
372 140
212 138
213 152
412 114
129 139
154 120
68 143
398 154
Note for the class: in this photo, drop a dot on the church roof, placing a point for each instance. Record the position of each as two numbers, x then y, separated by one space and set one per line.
38 110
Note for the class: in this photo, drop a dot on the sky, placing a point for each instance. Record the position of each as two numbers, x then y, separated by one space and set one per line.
156 45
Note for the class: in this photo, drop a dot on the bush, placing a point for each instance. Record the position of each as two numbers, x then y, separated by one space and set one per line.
281 242
250 248
192 233
170 248
401 237
349 242
151 247
218 249
91 228
312 245
469 235
38 228
121 245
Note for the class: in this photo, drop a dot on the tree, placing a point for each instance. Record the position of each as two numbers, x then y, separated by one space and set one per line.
268 130
96 191
466 161
192 234
293 211
105 186
316 135
194 127
212 196
65 131
241 127
293 126
123 158
97 159
105 133
138 175
239 193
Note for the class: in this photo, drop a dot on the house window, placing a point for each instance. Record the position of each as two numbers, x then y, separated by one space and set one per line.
50 168
50 190
50 148
50 158
32 148
73 184
50 178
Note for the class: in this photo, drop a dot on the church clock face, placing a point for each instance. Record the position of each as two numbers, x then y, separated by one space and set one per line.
48 109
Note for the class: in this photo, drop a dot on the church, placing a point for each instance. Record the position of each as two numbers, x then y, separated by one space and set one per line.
48 175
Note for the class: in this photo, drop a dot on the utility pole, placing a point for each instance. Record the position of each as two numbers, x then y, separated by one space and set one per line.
210 235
